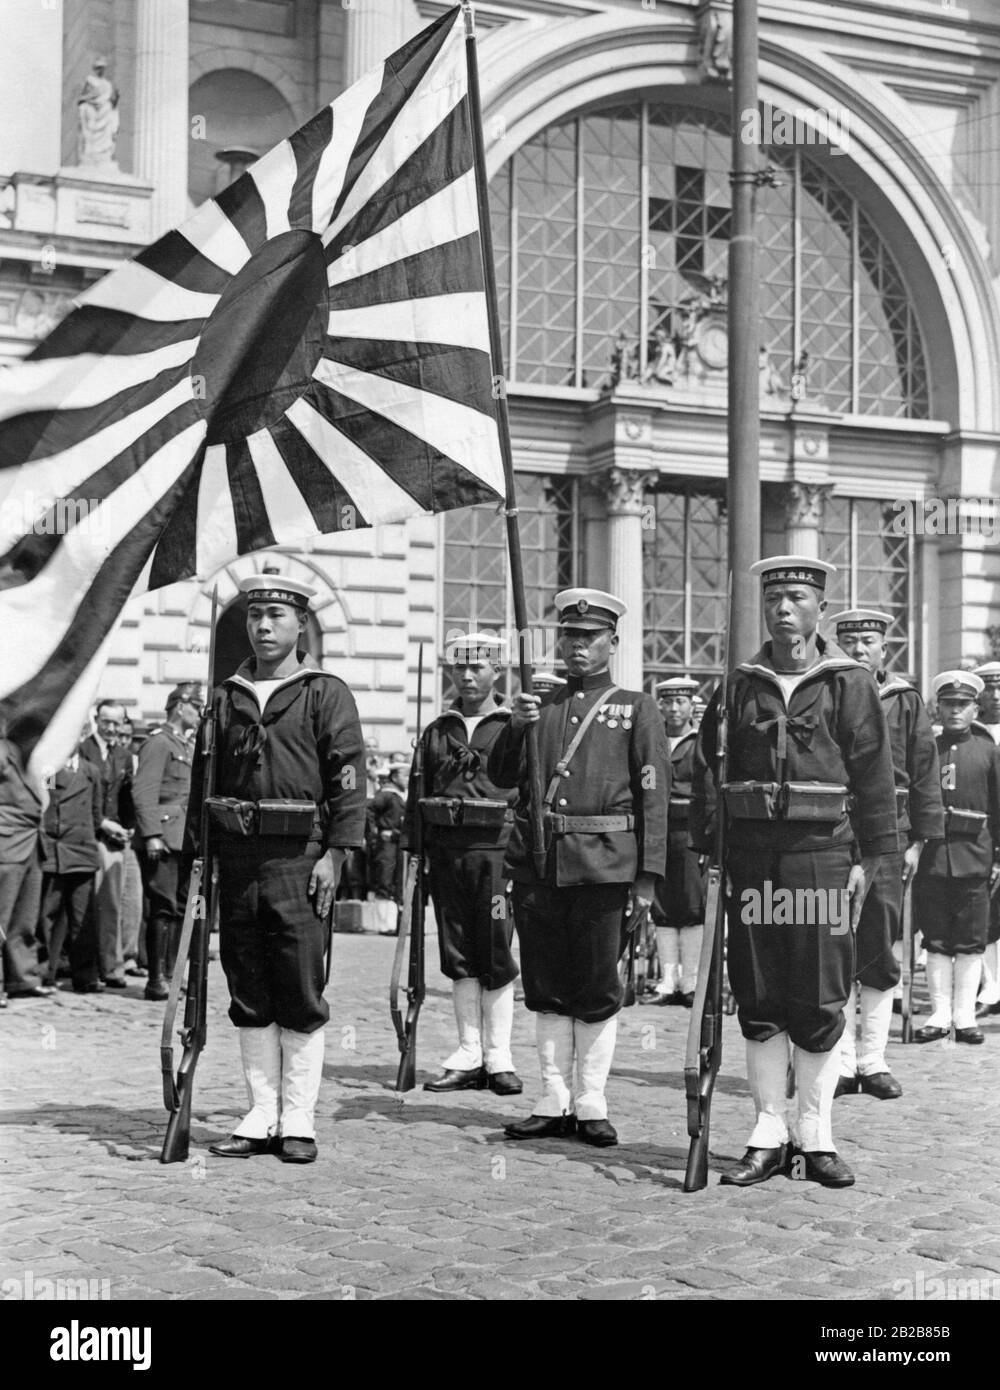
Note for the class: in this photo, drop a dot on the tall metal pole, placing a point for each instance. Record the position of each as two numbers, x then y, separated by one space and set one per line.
743 493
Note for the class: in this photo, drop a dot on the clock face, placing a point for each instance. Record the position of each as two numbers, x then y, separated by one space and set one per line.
713 345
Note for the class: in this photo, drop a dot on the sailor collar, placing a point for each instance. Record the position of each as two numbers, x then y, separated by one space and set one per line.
895 685
244 680
831 659
682 738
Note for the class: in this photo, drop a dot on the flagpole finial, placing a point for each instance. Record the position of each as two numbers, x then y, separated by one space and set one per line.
469 15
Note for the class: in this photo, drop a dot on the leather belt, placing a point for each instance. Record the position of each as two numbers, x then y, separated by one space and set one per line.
587 825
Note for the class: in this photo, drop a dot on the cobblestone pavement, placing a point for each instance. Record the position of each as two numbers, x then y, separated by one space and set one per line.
423 1198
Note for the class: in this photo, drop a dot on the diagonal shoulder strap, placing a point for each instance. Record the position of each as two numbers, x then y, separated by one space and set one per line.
564 761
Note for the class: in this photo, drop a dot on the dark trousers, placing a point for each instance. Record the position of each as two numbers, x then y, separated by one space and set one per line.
383 866
271 943
880 925
67 919
571 941
469 891
952 913
20 897
790 977
680 893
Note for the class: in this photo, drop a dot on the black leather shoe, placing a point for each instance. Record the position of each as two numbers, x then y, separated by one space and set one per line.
115 982
882 1085
136 972
687 1000
239 1147
828 1169
847 1086
32 992
89 987
295 1150
756 1165
929 1034
156 989
505 1083
986 1010
597 1132
970 1035
475 1080
542 1127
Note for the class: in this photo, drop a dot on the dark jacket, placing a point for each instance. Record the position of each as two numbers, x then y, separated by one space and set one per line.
306 746
836 733
115 773
456 766
914 761
622 766
681 777
970 780
69 827
162 785
20 808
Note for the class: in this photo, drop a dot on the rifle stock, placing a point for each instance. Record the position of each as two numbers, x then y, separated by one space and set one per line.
406 1030
192 953
906 1006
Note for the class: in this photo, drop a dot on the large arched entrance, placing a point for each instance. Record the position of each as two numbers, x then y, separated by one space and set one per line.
232 646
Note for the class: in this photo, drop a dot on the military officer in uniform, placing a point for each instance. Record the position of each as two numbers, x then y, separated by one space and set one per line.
679 908
160 790
289 802
861 634
466 826
951 899
989 718
806 733
606 779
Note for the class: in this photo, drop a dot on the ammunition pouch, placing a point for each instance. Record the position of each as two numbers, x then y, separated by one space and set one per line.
793 801
678 809
958 822
270 817
469 812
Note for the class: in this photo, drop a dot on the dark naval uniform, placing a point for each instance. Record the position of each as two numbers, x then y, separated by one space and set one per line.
384 825
831 731
951 893
606 826
306 746
680 894
160 791
467 822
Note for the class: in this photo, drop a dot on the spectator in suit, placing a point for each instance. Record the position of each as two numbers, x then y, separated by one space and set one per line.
21 806
70 861
112 764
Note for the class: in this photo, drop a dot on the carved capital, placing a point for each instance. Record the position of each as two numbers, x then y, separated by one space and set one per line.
624 489
804 504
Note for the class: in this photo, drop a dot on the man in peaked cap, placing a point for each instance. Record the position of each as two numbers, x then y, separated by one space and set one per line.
384 826
679 909
289 802
161 788
606 774
951 900
806 733
467 822
989 719
861 634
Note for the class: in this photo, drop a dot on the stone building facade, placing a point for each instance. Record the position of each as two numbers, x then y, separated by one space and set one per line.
607 126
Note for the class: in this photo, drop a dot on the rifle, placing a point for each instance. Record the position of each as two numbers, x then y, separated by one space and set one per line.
192 952
908 961
633 932
412 923
703 1055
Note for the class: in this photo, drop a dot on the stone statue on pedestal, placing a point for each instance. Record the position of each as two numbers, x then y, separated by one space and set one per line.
98 119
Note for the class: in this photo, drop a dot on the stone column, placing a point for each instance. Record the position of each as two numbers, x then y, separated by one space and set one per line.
376 28
161 108
804 517
624 490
